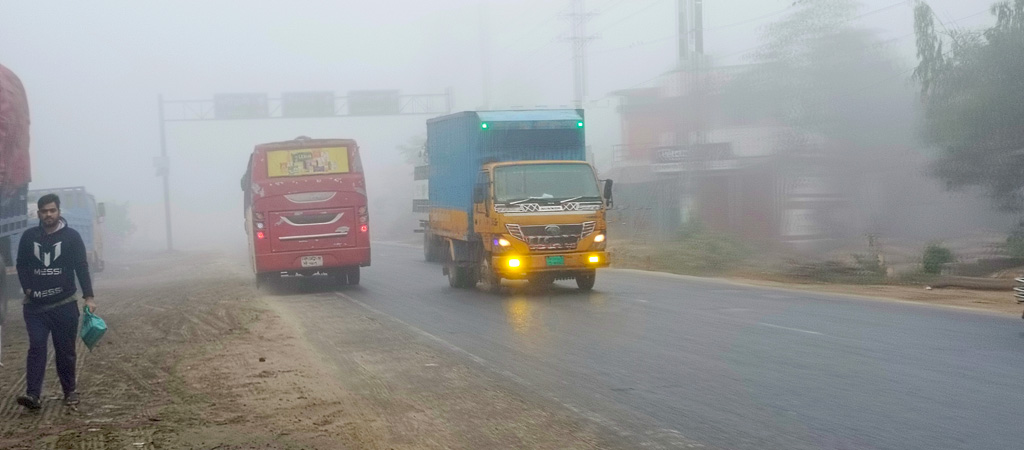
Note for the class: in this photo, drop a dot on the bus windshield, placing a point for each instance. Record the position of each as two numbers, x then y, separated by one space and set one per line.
308 161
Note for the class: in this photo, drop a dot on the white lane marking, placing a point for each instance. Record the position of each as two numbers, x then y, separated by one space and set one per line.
800 292
595 417
788 328
443 342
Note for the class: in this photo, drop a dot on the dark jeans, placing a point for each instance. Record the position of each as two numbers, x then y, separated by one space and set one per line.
62 323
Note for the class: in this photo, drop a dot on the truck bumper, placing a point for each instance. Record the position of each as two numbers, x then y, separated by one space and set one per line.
554 263
332 259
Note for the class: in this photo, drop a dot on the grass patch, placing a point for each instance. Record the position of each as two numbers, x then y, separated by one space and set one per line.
693 251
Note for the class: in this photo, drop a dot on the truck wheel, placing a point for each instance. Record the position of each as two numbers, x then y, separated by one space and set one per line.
585 281
489 277
431 249
454 277
461 277
353 276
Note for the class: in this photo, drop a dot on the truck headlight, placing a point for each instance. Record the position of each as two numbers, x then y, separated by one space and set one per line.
514 262
504 242
599 238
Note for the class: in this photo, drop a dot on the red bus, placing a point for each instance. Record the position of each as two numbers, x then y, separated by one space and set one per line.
306 211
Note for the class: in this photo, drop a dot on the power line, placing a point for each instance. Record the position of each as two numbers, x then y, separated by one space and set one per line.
904 73
530 32
902 37
744 22
735 24
612 6
630 16
750 49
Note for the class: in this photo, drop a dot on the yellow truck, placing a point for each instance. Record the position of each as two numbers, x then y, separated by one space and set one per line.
512 196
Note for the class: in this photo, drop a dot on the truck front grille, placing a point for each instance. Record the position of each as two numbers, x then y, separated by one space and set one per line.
551 237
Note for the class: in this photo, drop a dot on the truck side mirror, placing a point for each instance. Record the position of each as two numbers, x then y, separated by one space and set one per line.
479 193
608 193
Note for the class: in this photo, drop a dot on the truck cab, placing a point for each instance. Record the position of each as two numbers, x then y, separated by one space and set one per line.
540 220
511 196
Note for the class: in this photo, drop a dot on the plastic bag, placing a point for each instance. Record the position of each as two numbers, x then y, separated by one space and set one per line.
93 328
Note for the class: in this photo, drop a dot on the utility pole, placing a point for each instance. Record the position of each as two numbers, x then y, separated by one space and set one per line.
578 21
698 27
163 168
485 55
684 33
699 70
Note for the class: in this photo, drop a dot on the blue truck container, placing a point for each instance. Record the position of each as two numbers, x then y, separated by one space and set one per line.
512 196
79 208
459 144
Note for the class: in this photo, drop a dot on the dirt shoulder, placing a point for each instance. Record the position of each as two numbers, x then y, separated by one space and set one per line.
985 300
647 258
196 358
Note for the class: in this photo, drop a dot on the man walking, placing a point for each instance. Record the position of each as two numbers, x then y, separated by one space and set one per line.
49 257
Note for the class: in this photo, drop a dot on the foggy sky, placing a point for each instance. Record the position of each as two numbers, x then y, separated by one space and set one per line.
93 71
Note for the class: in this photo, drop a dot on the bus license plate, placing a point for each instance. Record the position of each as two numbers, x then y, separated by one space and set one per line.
312 261
556 260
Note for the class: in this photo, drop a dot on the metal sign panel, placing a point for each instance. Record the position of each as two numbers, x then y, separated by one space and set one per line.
240 106
694 152
373 103
307 104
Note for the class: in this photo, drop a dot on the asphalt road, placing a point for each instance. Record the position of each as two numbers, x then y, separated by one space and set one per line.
654 357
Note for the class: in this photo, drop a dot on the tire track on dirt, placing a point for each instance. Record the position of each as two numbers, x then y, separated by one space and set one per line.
158 311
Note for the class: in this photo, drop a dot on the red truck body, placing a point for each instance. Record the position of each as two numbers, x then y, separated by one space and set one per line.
15 170
15 173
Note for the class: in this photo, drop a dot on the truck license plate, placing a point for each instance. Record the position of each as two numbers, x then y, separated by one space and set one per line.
312 261
556 260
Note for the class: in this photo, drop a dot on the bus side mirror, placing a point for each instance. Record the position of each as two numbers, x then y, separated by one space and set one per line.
101 209
608 193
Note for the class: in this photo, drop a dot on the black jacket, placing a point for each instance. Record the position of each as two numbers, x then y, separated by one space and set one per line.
47 264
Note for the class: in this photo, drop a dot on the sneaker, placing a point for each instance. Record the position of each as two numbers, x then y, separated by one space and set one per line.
71 399
30 402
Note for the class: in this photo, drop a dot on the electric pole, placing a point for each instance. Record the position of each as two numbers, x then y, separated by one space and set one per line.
485 55
163 170
684 33
698 27
578 22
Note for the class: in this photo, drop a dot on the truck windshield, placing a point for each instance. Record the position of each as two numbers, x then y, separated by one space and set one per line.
544 182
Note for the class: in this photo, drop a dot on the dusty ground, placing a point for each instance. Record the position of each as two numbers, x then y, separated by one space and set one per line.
994 301
196 358
772 273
